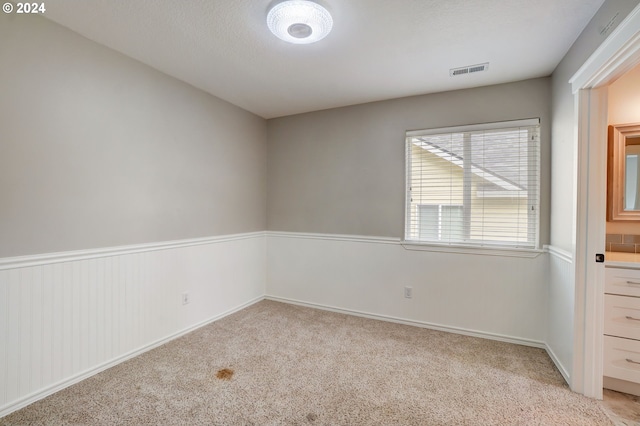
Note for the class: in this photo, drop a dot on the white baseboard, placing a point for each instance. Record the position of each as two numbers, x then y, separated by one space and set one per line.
422 324
29 399
558 364
43 393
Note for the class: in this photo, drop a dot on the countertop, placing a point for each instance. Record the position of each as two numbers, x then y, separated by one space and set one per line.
619 259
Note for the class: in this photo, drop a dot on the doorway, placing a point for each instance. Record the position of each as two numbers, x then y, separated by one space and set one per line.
616 56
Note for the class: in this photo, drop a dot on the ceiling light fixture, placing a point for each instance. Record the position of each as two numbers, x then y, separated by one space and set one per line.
299 21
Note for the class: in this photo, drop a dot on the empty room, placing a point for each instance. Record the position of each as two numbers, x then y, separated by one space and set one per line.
327 212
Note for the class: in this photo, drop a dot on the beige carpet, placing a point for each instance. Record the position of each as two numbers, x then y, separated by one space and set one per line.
279 364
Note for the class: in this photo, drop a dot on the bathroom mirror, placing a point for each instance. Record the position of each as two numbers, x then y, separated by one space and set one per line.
623 173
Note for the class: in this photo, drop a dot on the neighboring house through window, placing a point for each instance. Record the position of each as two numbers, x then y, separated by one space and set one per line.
474 185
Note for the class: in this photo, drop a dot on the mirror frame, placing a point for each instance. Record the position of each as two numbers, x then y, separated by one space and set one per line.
618 135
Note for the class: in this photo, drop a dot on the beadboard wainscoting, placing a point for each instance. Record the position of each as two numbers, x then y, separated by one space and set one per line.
67 316
477 293
561 310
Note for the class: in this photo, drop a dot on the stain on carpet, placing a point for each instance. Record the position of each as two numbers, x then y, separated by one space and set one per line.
224 374
312 417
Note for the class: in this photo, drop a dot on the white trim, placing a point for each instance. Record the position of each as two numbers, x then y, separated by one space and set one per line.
422 324
579 232
615 56
558 364
476 127
334 237
29 399
420 139
559 253
69 256
478 251
590 239
413 245
597 240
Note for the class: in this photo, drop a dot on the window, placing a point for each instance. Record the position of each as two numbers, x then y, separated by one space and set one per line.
437 222
474 185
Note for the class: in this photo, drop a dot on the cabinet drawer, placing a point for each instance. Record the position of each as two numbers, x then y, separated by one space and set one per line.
622 359
622 316
622 281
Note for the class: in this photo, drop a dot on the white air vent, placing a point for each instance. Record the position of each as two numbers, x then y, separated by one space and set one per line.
468 70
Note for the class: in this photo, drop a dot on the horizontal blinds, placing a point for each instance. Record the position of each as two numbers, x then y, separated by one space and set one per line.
476 185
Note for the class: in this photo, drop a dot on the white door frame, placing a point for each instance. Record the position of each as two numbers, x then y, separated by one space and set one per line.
619 53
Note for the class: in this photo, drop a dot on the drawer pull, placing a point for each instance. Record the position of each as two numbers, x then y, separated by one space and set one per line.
633 282
632 318
632 361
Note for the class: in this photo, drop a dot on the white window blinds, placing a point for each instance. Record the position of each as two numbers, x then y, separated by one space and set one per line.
474 185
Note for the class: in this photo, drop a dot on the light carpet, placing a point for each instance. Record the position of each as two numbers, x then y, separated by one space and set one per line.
280 364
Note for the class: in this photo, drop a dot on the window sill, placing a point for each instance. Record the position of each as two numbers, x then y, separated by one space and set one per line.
480 251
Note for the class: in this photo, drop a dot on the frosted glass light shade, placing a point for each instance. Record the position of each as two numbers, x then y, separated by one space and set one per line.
299 21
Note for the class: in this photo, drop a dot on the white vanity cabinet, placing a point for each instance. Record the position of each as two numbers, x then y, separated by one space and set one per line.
622 329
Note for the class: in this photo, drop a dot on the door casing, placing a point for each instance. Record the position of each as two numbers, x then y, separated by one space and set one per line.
619 53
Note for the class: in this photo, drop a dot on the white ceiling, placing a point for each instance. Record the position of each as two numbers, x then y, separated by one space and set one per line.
378 49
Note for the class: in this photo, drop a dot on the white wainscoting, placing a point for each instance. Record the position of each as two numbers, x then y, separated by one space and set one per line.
67 316
477 293
561 310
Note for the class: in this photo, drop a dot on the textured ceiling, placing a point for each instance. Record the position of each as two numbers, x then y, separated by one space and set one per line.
378 49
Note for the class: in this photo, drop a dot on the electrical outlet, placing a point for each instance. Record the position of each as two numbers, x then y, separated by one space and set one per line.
185 298
408 292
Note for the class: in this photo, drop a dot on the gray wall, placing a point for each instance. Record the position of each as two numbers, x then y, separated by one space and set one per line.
563 201
341 171
99 150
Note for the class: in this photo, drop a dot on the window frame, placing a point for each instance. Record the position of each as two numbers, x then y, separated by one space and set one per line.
481 246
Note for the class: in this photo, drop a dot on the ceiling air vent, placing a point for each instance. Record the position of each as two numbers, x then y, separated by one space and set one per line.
468 70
